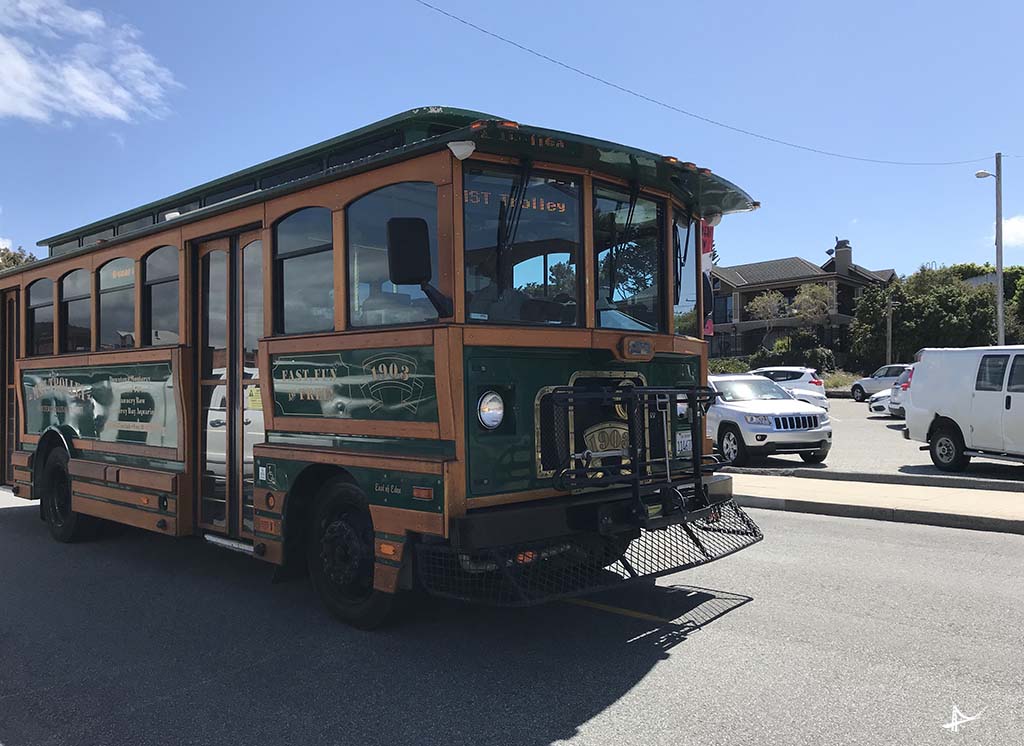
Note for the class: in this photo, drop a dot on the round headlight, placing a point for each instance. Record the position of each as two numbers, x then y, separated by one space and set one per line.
490 410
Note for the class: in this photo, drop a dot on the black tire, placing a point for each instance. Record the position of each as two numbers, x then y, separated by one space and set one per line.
730 442
340 553
946 447
814 457
65 525
858 393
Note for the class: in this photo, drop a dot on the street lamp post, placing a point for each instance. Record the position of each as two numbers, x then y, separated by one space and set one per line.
998 175
890 305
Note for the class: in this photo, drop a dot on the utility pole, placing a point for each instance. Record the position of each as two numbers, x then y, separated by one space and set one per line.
1000 323
889 306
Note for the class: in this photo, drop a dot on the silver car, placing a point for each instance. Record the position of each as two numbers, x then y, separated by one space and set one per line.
880 380
754 417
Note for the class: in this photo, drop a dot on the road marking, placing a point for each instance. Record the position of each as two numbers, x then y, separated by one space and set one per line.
959 719
618 610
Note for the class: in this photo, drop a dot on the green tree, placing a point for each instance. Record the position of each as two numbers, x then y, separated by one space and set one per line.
10 258
812 304
767 307
932 308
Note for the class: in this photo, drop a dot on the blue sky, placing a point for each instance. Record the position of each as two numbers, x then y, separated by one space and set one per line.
107 105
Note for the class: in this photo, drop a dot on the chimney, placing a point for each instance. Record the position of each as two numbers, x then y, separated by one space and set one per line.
843 255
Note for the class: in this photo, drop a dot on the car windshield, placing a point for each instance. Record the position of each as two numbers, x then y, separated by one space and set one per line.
628 241
522 247
750 389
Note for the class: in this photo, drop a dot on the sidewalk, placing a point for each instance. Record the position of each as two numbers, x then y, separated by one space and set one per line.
954 507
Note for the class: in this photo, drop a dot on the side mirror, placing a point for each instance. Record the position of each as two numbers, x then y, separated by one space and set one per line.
408 251
409 260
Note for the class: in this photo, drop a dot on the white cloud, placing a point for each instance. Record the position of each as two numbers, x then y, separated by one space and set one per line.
62 62
1013 231
6 243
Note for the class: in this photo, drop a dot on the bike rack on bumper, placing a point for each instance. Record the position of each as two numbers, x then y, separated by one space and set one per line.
634 512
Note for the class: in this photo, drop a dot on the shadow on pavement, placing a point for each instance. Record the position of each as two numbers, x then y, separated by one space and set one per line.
142 639
977 469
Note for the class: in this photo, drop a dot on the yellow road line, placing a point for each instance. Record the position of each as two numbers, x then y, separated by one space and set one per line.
618 610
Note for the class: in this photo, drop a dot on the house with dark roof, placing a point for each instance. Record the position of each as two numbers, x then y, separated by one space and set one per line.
734 287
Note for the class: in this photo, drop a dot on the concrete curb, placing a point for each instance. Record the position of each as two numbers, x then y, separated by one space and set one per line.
918 480
880 513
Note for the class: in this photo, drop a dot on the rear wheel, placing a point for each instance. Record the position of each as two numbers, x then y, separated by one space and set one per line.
947 449
731 446
65 525
341 557
858 393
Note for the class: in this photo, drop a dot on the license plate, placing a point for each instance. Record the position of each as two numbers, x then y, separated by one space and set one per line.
684 444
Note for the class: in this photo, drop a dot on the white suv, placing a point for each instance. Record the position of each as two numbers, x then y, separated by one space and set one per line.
753 417
803 383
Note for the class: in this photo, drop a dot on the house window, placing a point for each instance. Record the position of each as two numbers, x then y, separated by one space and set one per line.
160 297
76 311
304 272
39 318
117 304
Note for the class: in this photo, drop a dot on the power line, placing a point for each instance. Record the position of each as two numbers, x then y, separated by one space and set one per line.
691 114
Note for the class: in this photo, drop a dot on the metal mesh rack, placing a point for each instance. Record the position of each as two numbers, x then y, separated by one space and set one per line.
532 573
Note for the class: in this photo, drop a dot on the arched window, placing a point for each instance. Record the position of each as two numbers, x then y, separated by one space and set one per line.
76 312
39 318
160 297
373 299
304 272
117 304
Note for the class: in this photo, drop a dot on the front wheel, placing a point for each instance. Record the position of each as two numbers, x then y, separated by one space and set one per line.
65 525
858 393
732 447
340 554
947 449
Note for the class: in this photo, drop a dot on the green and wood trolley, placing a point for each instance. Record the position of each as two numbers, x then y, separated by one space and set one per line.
446 350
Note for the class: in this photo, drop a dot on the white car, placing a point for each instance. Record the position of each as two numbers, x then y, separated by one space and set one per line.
881 380
879 403
968 402
803 383
755 417
899 394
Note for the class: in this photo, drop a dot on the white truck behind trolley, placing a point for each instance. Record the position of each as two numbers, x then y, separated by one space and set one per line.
968 402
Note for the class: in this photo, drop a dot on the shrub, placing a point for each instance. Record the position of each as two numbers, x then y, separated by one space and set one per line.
728 365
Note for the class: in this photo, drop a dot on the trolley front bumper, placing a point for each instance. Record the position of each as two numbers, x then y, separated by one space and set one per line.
535 552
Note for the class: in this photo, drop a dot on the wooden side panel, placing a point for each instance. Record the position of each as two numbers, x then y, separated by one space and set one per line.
123 514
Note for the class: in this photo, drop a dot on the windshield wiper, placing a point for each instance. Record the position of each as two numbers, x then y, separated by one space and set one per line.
613 280
681 255
507 226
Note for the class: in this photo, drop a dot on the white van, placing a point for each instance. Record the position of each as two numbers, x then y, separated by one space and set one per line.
968 402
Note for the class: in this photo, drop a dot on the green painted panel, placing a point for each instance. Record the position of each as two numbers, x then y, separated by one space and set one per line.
381 486
378 384
109 403
370 444
505 459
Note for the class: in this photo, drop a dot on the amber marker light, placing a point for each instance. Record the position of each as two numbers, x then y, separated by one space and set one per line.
509 125
388 550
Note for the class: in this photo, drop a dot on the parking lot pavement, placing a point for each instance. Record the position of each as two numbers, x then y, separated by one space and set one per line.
836 631
866 443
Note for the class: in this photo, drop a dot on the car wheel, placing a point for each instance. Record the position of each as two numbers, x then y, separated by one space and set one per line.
340 553
858 393
65 525
815 457
731 446
947 449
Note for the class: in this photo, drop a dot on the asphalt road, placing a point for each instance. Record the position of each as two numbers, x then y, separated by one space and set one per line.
830 631
867 443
